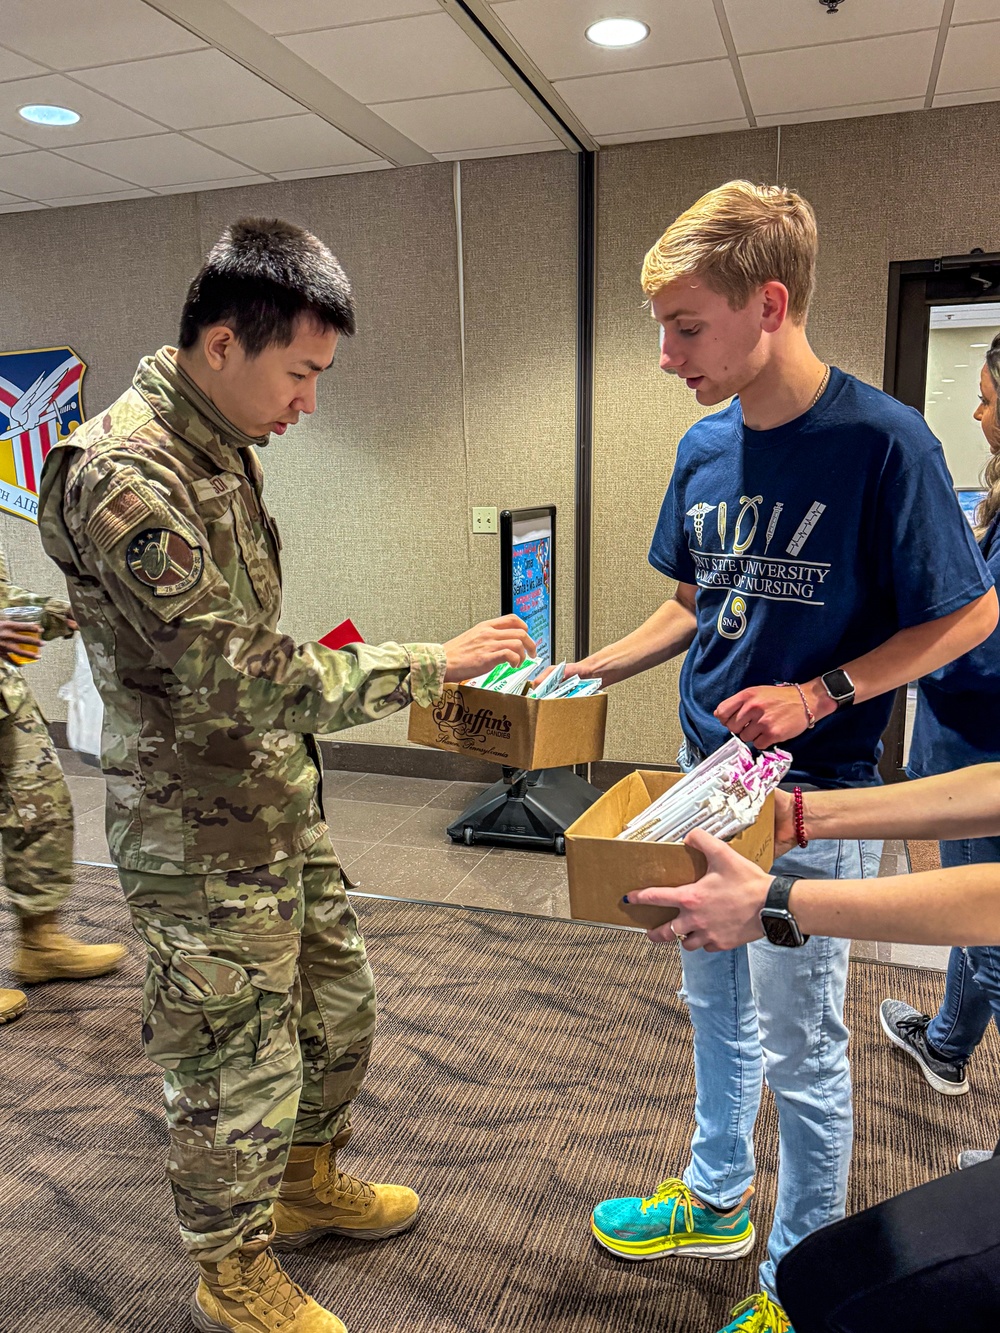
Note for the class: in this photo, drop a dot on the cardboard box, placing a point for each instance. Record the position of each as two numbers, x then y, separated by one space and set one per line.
509 729
602 870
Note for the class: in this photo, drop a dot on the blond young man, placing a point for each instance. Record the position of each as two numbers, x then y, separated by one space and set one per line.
815 538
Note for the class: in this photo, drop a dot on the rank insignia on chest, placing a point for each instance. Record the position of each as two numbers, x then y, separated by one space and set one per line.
164 561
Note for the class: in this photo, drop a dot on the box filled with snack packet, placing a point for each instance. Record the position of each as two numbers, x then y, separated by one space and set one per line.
604 867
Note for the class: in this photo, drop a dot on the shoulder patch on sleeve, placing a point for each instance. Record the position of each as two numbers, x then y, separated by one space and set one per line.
165 561
118 515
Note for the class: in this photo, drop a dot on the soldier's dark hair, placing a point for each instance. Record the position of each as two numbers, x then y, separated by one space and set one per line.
261 275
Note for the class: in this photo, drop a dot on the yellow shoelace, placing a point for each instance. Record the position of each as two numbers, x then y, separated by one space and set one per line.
766 1316
677 1193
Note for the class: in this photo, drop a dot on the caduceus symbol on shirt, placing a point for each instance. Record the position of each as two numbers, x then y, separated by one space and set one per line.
747 502
698 512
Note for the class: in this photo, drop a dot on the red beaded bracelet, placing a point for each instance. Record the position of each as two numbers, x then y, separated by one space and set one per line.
798 815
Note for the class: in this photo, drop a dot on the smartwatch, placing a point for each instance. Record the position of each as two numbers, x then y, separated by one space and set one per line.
839 687
780 926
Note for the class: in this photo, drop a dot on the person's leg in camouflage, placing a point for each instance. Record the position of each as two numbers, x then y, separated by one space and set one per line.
336 1028
36 828
220 1016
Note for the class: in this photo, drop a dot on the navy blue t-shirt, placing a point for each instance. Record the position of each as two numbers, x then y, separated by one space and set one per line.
958 706
811 544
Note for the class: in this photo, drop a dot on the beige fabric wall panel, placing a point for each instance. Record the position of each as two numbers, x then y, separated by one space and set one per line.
639 413
520 223
107 280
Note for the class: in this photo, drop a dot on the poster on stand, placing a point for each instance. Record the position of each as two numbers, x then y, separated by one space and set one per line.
40 404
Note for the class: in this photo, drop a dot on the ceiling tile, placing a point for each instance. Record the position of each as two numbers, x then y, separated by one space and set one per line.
8 145
65 34
967 98
676 132
192 187
287 16
162 159
880 69
50 176
553 33
843 112
11 199
970 58
655 98
505 150
99 198
20 208
291 143
974 11
776 25
189 91
467 120
13 66
100 118
315 172
399 59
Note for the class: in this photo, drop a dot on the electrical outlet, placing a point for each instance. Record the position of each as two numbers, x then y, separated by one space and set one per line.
484 519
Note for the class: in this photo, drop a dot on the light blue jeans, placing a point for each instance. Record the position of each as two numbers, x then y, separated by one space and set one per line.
764 1009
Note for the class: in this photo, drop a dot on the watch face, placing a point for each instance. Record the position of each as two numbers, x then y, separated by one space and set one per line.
838 684
781 928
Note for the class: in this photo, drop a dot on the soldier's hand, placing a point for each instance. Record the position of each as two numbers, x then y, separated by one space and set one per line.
486 645
21 641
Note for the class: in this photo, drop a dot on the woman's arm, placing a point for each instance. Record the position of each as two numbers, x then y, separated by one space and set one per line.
721 910
964 804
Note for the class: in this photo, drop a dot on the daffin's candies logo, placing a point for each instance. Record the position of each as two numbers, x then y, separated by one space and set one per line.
457 722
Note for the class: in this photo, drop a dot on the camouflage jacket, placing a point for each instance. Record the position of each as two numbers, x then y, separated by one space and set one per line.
13 686
154 512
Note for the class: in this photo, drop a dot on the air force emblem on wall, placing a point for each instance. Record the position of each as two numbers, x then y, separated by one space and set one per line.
40 404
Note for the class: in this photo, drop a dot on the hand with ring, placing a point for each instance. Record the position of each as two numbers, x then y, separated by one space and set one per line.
678 935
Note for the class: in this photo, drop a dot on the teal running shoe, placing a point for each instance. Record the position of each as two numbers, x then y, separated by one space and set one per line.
758 1314
673 1221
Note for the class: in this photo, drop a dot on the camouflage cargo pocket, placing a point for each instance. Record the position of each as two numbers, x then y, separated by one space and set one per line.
200 1010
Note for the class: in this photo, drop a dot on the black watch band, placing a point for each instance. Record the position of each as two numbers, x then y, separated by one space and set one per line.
779 924
839 687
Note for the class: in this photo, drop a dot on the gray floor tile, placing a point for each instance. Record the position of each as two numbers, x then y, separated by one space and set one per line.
363 821
412 872
86 793
517 883
89 841
921 955
389 789
349 851
425 828
458 795
337 780
79 765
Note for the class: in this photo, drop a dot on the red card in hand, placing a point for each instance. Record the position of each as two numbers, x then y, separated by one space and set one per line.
341 635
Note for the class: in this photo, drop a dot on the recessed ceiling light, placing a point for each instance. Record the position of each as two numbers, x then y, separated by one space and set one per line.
979 344
49 115
944 381
617 32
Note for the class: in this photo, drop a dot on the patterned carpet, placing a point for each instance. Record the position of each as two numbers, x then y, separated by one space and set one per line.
525 1068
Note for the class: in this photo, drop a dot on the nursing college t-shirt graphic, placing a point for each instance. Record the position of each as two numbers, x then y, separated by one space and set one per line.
810 545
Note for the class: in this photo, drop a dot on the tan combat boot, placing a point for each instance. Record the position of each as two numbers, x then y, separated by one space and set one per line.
318 1200
46 954
250 1293
12 1004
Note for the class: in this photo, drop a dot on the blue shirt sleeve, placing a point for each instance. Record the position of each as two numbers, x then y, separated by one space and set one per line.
669 549
926 556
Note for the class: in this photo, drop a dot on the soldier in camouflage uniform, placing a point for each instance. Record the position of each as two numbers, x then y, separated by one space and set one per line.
36 814
259 1004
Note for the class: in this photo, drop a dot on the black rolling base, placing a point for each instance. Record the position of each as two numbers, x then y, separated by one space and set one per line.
526 810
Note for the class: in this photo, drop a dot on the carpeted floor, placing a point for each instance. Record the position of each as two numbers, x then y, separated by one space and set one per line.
924 855
525 1068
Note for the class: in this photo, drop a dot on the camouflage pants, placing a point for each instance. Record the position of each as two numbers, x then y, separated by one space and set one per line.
259 1006
36 814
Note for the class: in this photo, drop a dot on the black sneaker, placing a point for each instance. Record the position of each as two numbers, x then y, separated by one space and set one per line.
906 1028
973 1157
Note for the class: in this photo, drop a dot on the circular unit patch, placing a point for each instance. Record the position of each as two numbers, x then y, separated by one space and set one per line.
164 561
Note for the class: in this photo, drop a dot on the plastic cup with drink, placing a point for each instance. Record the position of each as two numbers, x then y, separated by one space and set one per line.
30 618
